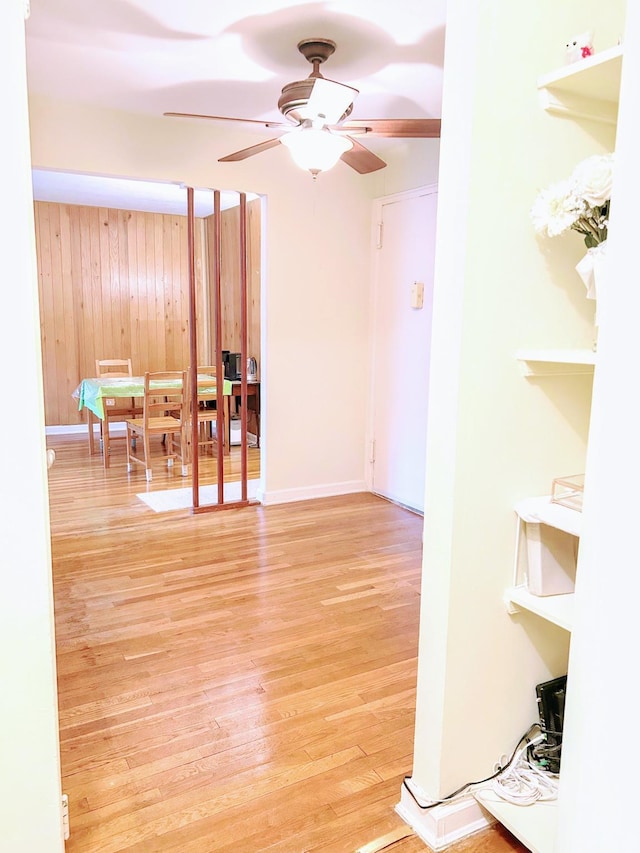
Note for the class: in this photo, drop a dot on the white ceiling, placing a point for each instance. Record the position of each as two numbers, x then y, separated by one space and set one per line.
232 59
120 193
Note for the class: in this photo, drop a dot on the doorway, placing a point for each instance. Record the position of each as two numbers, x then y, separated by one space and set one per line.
113 280
403 301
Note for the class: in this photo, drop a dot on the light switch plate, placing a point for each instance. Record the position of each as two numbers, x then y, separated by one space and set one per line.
417 294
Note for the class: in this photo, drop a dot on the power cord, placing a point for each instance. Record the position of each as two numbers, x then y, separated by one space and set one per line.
526 742
524 784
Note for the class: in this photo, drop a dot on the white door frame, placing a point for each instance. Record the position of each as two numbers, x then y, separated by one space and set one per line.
376 224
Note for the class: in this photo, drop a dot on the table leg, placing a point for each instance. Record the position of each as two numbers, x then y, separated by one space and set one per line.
256 398
105 438
90 423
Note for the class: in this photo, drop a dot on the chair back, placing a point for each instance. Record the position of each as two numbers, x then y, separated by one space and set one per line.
165 394
206 393
113 367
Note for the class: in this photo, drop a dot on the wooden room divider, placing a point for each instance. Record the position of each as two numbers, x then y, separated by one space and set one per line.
215 249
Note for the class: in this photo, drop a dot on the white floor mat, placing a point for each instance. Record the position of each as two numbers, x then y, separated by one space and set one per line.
166 500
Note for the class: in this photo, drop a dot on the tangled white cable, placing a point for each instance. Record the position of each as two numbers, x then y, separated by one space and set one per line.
523 783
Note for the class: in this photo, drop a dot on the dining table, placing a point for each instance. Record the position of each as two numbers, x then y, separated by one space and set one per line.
99 396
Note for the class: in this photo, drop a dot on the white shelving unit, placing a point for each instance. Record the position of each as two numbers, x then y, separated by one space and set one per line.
587 89
534 825
556 362
557 609
544 511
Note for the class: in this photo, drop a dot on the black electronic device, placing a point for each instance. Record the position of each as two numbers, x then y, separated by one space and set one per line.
550 696
233 366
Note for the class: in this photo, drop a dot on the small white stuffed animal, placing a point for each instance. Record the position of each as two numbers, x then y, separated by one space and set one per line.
580 47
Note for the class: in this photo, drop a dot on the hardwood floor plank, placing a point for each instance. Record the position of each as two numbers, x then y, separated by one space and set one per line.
237 681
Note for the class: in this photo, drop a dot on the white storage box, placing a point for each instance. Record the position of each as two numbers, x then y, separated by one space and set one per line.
235 432
552 556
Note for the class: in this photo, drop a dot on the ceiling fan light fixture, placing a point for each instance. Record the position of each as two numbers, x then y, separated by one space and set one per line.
314 149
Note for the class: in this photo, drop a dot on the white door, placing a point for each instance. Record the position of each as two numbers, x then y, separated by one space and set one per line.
402 341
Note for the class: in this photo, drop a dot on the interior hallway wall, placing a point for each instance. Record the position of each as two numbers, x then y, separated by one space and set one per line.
30 795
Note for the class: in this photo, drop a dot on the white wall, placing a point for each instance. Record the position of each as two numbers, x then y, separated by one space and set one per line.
494 437
602 696
317 273
30 805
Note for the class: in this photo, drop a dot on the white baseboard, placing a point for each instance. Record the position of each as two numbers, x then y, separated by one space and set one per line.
441 825
81 429
114 426
278 496
305 493
67 429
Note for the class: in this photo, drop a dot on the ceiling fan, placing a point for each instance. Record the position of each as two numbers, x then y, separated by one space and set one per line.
316 131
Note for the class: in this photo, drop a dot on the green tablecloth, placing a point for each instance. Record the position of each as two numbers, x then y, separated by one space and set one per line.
91 393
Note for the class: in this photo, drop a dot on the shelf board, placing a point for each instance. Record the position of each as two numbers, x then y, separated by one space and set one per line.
557 609
535 825
588 88
542 510
556 362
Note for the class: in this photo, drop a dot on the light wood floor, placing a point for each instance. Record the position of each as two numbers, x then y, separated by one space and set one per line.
235 681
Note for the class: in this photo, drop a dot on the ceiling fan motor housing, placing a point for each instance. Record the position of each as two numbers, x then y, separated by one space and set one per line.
295 96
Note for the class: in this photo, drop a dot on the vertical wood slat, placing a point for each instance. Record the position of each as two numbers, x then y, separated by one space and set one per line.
217 301
67 363
171 327
78 312
57 339
124 330
160 318
93 238
229 278
105 278
243 343
193 349
47 314
132 278
144 295
254 265
202 295
230 275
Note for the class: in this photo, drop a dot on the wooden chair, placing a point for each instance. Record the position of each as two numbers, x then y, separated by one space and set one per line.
164 414
115 409
113 367
207 413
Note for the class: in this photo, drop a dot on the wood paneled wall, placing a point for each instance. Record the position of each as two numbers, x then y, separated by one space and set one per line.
114 283
230 277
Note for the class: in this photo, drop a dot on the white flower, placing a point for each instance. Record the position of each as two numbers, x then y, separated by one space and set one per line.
593 179
580 203
556 209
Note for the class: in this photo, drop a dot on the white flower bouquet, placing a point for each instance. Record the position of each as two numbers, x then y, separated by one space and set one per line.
580 203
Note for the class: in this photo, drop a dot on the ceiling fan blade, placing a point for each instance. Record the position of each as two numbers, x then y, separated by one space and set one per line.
328 100
249 152
399 128
287 124
361 159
